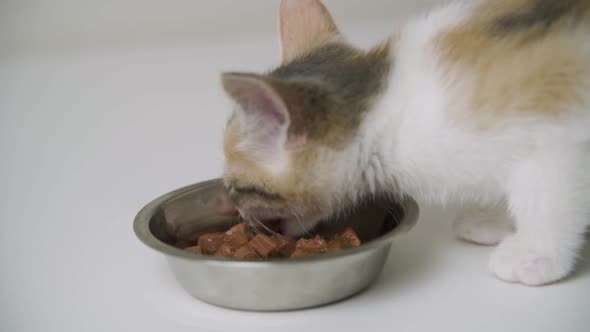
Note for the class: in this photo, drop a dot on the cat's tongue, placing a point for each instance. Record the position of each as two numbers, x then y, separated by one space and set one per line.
291 228
297 227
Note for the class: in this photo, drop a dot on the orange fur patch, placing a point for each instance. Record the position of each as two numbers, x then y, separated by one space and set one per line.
534 65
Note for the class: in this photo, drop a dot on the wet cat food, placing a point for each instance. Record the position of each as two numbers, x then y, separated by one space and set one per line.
310 247
210 243
239 242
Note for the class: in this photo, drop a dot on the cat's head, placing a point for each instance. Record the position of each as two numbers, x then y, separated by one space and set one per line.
290 142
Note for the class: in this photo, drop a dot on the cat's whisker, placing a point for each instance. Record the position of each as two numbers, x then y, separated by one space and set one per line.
305 231
269 242
270 230
254 228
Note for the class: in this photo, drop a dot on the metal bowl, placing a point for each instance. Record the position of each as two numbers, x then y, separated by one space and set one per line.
271 285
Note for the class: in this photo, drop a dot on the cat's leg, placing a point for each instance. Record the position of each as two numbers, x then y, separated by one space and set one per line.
549 198
482 225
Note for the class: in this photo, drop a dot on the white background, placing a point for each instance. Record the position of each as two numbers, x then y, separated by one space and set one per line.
105 105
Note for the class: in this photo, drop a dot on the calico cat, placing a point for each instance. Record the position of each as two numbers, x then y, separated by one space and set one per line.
482 103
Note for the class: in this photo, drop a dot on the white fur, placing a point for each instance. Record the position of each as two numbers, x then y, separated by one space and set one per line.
412 142
263 141
262 119
540 167
485 226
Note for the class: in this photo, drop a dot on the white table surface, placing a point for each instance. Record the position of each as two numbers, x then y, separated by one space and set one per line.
88 137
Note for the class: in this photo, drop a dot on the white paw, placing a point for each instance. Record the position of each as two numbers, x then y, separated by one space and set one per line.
515 261
480 229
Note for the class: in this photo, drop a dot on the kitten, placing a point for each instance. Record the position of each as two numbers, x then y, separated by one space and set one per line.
483 103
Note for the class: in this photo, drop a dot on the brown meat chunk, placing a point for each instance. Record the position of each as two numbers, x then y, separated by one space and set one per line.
236 236
245 252
194 250
236 243
264 245
345 240
335 244
309 247
225 250
314 244
210 242
285 245
349 235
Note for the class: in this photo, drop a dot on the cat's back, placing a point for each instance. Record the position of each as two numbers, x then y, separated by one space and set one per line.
513 57
488 82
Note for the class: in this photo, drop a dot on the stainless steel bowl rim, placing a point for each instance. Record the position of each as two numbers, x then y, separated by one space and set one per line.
142 231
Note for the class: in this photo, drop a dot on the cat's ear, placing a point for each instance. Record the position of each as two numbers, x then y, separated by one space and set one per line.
304 25
261 114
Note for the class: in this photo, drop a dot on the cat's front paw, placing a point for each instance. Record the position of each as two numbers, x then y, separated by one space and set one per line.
480 228
515 261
